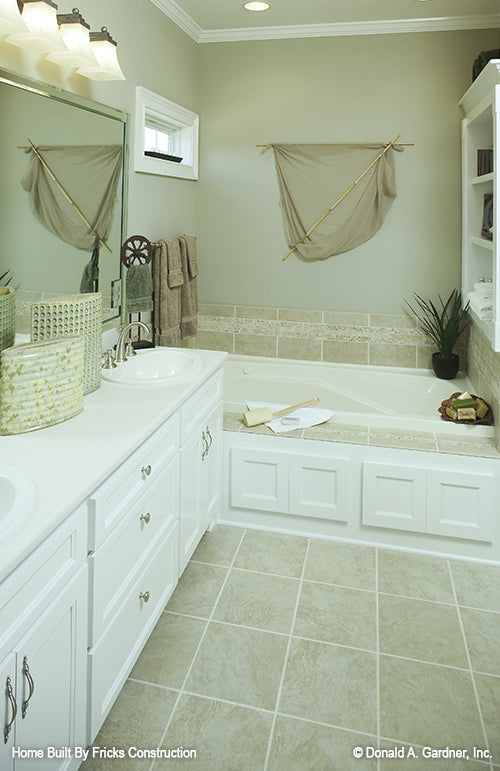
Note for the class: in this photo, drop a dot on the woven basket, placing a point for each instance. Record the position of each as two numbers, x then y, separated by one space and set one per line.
7 317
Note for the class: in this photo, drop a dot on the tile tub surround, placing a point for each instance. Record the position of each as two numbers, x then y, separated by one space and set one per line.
354 338
484 372
258 661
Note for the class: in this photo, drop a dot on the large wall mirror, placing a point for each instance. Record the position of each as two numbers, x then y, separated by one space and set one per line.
41 263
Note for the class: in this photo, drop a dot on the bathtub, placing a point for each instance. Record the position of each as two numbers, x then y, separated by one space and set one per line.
397 477
385 397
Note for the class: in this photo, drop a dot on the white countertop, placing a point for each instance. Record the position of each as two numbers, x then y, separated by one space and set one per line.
69 461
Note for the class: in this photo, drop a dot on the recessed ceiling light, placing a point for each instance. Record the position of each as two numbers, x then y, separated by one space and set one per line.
256 5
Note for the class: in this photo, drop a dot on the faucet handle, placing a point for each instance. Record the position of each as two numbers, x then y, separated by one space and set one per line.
108 359
130 350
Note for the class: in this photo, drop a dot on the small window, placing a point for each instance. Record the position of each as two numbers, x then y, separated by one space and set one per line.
166 139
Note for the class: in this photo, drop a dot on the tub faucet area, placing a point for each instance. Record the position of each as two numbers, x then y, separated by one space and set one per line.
121 354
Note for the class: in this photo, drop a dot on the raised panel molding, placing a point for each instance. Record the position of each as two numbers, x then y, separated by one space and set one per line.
320 487
459 505
259 480
394 496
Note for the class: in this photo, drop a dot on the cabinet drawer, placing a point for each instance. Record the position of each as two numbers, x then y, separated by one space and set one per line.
34 584
116 562
113 657
200 404
109 503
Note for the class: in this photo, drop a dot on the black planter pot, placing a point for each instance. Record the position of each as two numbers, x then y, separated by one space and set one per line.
445 367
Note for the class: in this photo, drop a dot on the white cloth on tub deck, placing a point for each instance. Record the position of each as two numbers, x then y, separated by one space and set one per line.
304 417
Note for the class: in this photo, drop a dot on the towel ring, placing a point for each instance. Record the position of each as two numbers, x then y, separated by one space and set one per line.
137 250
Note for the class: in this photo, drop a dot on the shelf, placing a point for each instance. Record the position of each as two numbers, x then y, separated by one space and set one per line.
482 179
482 242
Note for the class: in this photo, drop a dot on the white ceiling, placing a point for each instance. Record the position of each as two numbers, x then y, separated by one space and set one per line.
209 21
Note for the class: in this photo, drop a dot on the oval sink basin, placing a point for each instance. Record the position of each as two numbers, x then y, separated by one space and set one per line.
154 366
17 494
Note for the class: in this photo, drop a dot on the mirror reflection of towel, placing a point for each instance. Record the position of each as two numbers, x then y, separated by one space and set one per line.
89 276
139 289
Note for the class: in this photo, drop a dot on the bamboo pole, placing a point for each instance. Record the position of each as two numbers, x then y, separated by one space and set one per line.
65 194
372 164
270 144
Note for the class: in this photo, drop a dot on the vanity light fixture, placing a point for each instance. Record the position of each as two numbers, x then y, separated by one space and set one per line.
10 18
40 17
256 5
75 34
104 50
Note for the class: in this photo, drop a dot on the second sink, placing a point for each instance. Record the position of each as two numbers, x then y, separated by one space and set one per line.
154 365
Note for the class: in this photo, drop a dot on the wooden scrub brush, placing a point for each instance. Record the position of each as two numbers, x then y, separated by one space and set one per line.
264 414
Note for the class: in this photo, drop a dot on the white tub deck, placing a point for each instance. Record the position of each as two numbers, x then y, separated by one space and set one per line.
373 397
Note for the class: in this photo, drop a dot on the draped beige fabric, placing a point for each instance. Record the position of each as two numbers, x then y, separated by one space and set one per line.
312 177
89 175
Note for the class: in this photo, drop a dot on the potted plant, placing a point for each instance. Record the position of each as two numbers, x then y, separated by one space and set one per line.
7 311
444 325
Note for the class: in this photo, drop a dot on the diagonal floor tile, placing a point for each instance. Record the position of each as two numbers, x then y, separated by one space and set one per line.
237 664
138 718
197 590
272 553
489 700
224 736
298 745
428 704
168 653
258 600
477 585
414 575
417 629
482 632
219 545
330 684
344 564
337 614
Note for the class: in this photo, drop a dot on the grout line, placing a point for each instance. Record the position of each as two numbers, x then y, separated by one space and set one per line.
184 682
285 662
476 694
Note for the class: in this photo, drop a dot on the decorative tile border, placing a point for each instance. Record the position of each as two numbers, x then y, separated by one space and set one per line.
356 338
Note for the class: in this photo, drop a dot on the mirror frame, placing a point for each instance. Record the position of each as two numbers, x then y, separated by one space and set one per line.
68 97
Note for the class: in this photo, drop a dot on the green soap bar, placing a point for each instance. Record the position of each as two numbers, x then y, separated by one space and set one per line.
460 404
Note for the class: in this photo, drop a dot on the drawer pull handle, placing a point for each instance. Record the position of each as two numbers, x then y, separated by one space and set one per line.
210 437
10 695
146 518
144 596
146 470
204 452
31 684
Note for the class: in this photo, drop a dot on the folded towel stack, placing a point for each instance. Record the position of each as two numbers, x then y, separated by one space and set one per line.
481 300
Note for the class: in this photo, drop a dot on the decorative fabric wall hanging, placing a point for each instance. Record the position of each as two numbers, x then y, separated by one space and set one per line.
357 180
72 192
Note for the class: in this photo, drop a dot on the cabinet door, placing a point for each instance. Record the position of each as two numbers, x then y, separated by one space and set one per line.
394 496
320 487
51 677
189 520
259 479
211 466
8 711
461 505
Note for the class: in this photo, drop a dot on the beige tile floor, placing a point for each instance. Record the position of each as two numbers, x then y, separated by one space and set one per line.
283 653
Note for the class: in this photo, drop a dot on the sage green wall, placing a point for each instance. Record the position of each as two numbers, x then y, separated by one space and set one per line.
153 53
364 88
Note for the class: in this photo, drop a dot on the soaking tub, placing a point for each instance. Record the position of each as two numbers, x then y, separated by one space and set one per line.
385 397
385 470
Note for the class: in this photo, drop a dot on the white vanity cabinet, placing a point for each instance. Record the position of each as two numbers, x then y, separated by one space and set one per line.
201 468
43 633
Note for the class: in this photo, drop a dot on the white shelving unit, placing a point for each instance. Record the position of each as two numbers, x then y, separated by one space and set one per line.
481 131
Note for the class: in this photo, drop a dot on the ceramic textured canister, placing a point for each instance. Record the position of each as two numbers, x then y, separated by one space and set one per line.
41 384
73 314
7 316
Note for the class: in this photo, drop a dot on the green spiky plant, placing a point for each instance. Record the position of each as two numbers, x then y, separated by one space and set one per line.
443 323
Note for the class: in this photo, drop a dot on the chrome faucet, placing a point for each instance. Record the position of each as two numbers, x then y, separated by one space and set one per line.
120 346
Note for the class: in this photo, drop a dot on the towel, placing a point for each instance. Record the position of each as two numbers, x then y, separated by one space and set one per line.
167 283
89 276
139 289
481 300
304 417
189 288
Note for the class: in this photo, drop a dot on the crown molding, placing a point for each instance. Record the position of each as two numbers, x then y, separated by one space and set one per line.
181 18
390 26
